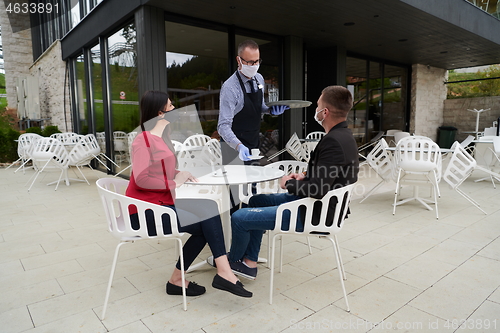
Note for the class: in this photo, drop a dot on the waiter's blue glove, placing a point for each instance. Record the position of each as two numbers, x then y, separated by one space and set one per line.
276 110
244 153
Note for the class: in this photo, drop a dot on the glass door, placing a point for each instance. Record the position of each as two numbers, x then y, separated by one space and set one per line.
380 97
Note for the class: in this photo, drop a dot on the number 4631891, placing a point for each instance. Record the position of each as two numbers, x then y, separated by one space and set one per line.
32 8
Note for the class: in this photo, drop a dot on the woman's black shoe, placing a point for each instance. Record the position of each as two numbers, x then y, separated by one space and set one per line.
234 288
192 289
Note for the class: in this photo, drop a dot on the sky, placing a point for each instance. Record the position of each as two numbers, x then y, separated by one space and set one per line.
179 58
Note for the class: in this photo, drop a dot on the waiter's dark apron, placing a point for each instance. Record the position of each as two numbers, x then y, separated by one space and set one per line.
246 125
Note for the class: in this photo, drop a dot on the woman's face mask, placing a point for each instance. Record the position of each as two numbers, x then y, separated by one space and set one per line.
171 116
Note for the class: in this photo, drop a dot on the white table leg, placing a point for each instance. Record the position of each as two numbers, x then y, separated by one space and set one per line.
225 215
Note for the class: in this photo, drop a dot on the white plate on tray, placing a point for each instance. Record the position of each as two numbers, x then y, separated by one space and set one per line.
255 157
292 103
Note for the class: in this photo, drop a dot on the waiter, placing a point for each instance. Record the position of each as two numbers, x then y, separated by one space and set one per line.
242 105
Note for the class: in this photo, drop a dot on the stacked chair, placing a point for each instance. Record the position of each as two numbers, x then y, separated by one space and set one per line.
25 146
50 153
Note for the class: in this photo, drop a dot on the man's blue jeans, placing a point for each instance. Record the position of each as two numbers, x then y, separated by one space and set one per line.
248 224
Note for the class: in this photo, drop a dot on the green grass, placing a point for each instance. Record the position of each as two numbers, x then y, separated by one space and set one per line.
4 123
125 117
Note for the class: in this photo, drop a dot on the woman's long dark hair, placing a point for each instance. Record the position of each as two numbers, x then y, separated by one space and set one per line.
153 101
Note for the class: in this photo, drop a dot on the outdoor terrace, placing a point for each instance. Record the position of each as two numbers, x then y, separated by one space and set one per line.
406 270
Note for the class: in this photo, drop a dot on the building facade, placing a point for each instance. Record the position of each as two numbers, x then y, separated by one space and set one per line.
94 59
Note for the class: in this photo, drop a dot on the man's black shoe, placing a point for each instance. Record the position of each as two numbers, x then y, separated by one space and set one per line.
239 268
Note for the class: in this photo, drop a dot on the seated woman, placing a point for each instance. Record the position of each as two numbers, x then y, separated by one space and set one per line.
154 179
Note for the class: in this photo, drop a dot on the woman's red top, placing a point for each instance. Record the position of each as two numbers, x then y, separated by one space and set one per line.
153 171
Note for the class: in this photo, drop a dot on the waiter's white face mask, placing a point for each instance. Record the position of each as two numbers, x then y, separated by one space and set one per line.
249 71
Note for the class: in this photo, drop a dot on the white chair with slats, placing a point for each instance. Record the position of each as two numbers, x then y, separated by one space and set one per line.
25 145
418 162
380 160
120 144
130 140
373 141
294 148
116 208
315 135
459 168
328 225
49 153
487 155
273 186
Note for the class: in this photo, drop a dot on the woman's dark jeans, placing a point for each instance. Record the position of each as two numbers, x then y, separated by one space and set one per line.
198 217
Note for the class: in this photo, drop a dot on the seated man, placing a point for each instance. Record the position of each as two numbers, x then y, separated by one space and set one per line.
333 164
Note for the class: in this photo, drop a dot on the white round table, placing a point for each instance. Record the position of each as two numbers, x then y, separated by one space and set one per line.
234 175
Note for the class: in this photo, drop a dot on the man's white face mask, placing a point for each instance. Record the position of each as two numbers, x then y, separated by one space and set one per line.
316 117
249 71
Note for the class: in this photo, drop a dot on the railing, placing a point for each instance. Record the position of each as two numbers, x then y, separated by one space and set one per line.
490 6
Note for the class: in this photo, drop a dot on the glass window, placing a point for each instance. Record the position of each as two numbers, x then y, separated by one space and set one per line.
394 98
124 91
380 105
489 6
270 53
196 68
357 83
74 13
81 97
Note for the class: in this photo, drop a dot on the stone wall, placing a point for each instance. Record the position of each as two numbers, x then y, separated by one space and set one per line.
428 93
456 114
17 50
50 70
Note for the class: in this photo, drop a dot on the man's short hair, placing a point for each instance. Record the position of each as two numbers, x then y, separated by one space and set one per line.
247 43
338 100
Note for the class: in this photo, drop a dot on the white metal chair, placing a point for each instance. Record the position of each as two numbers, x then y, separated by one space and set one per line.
490 131
25 145
116 208
315 135
399 135
211 153
293 147
120 143
288 166
83 153
367 145
273 186
99 142
196 140
331 209
460 167
67 137
49 153
489 156
418 162
308 148
390 133
466 142
193 145
177 146
381 162
130 139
